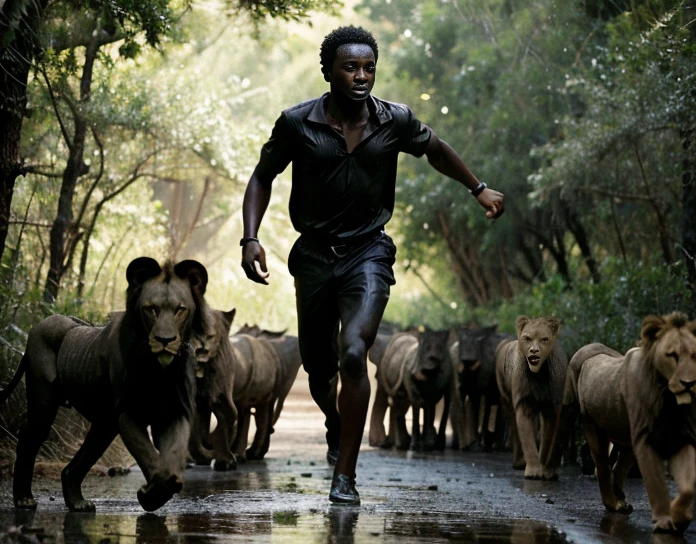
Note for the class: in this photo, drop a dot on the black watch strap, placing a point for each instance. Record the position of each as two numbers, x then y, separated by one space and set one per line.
478 189
245 241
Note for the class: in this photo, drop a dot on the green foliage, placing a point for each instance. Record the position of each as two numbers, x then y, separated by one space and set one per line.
609 312
289 10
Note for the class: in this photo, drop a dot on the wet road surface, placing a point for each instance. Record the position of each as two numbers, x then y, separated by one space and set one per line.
406 497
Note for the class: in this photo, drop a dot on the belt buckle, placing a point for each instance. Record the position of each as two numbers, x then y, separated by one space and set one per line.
333 248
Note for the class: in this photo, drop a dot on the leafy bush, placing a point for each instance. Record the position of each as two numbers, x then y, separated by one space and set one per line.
609 312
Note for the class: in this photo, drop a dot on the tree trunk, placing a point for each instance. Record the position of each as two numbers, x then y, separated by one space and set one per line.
576 227
467 266
64 233
18 43
688 214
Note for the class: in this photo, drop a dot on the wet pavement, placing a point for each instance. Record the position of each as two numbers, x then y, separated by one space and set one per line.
406 497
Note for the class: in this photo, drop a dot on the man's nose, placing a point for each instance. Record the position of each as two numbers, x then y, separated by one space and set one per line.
361 75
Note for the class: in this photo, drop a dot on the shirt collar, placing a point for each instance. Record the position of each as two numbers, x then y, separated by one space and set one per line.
378 113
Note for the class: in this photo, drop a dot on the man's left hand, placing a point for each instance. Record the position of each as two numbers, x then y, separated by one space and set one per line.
492 200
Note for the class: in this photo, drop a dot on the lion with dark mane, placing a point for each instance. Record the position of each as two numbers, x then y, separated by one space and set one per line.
136 372
642 403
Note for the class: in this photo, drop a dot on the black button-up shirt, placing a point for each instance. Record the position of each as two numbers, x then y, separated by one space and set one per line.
337 195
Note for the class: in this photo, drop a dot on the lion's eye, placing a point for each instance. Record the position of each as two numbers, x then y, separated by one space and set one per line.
210 337
526 339
545 340
151 309
674 355
181 308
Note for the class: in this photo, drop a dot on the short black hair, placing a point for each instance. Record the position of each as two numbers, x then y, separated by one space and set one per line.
341 36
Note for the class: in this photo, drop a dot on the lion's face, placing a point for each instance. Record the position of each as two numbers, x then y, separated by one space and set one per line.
167 299
166 309
536 338
673 345
206 344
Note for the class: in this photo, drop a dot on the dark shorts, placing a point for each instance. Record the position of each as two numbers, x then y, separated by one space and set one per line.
340 299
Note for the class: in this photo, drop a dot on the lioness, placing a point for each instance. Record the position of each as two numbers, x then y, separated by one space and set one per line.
135 372
530 373
214 392
235 376
642 402
411 372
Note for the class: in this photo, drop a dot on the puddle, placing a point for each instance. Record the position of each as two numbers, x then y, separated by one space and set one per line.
341 525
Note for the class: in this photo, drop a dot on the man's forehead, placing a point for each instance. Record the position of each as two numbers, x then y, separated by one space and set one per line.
357 50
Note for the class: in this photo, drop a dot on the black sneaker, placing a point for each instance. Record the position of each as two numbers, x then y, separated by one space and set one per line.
332 457
343 491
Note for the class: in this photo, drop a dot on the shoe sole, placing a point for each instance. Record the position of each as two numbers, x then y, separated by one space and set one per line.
345 500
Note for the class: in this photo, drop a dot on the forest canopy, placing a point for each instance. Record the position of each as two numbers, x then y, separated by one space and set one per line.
142 122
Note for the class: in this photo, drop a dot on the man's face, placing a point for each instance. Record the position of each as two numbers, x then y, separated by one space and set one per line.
353 71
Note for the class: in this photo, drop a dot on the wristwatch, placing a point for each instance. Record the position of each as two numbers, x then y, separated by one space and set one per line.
478 189
245 241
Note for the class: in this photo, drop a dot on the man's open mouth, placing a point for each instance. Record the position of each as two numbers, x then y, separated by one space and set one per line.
533 360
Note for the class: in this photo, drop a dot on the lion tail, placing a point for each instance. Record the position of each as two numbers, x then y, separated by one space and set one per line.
5 393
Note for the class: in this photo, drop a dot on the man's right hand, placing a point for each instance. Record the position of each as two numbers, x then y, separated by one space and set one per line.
254 262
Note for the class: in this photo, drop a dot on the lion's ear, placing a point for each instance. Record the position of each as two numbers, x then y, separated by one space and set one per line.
229 317
521 323
691 327
554 324
142 269
195 273
652 325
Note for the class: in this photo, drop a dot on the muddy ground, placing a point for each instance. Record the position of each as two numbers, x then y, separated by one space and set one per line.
406 497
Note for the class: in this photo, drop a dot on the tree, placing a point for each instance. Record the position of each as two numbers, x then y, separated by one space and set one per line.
36 31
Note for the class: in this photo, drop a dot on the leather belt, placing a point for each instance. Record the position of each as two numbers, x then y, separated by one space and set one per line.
344 247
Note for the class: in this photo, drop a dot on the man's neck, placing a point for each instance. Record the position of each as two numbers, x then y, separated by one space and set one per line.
345 110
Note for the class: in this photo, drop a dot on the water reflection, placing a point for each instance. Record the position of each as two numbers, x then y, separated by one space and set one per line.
342 522
337 525
462 529
620 526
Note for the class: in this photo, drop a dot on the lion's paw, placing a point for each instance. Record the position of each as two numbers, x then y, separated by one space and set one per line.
549 475
25 503
664 524
681 514
158 491
255 455
622 507
82 505
533 473
222 465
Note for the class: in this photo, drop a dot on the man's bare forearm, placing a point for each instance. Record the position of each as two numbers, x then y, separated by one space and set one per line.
256 199
445 160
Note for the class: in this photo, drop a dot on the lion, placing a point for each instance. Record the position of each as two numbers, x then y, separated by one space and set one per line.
530 373
265 371
412 372
135 372
475 396
214 393
642 403
235 376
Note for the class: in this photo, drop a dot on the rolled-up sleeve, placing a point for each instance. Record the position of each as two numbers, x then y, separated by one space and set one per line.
416 134
276 153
